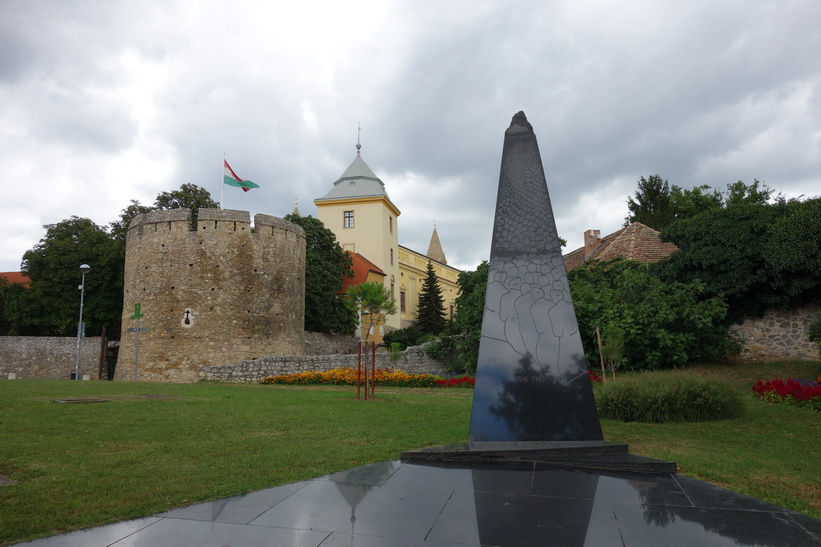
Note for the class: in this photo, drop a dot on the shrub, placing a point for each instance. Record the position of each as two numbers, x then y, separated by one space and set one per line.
647 323
668 397
410 336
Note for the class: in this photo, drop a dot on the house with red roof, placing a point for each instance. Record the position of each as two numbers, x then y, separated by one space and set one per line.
635 242
15 277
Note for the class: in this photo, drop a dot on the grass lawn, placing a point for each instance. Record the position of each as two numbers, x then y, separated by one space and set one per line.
152 447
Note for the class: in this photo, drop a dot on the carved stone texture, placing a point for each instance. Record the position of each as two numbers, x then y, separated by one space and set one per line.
531 379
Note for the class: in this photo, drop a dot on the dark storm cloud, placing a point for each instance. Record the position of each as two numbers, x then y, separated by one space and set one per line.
153 93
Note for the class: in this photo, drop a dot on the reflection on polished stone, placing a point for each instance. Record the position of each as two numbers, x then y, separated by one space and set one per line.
395 504
531 378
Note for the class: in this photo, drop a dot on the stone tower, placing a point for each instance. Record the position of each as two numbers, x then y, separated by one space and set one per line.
218 295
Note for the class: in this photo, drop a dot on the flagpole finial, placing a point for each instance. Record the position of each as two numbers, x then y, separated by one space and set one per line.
358 131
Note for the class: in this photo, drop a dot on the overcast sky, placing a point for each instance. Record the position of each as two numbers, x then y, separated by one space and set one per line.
102 102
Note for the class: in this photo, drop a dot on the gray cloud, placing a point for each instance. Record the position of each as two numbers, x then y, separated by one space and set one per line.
105 102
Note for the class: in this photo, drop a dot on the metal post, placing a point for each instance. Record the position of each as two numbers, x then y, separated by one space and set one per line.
136 350
358 368
85 268
373 367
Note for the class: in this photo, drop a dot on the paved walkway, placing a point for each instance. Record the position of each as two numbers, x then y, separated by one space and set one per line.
396 504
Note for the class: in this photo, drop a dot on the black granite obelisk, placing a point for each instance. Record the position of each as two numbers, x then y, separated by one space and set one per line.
531 379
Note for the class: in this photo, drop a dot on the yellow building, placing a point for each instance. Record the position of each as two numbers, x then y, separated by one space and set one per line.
365 221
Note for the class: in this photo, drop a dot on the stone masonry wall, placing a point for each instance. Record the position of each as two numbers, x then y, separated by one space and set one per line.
779 335
413 360
221 294
317 343
47 357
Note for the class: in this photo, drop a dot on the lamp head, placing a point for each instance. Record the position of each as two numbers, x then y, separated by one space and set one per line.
85 268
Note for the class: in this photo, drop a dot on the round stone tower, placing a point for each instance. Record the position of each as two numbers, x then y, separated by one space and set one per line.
218 295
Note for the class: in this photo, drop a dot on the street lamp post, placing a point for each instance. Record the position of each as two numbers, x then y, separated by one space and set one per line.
85 268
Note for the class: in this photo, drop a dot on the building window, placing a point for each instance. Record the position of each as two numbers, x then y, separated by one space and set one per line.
402 301
347 221
451 312
390 224
391 257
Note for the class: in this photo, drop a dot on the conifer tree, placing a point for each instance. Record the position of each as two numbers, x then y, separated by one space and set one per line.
431 309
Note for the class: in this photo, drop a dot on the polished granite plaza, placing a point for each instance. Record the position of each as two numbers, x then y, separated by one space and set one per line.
413 504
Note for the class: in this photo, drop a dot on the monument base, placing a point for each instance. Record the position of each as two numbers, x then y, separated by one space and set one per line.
588 455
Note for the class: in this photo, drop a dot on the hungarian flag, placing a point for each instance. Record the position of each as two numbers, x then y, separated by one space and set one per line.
231 179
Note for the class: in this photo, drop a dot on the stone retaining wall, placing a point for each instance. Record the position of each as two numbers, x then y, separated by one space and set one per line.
317 343
413 360
47 357
779 335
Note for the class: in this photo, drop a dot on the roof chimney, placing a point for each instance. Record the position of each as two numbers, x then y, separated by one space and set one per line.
591 242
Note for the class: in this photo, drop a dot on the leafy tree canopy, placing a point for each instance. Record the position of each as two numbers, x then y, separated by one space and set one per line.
375 299
325 265
189 196
658 324
53 266
657 204
756 255
431 308
461 342
119 228
51 304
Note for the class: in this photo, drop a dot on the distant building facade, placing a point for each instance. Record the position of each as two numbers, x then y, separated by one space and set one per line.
359 212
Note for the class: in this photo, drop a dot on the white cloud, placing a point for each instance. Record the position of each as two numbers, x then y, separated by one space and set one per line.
106 102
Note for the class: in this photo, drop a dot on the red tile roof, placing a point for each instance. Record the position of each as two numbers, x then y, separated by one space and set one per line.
361 267
636 242
15 277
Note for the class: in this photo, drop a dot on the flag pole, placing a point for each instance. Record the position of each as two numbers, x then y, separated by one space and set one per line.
222 188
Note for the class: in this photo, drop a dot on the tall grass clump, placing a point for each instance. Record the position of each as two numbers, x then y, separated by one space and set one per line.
660 397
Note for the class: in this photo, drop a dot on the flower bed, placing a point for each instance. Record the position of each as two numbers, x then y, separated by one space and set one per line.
463 381
382 377
793 391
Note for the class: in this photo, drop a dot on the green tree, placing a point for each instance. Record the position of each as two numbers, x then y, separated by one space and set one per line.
431 309
119 228
658 324
792 250
325 265
461 341
5 296
376 300
740 193
689 203
50 306
652 204
189 196
755 255
657 204
470 310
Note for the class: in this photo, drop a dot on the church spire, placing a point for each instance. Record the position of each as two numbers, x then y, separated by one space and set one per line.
435 248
